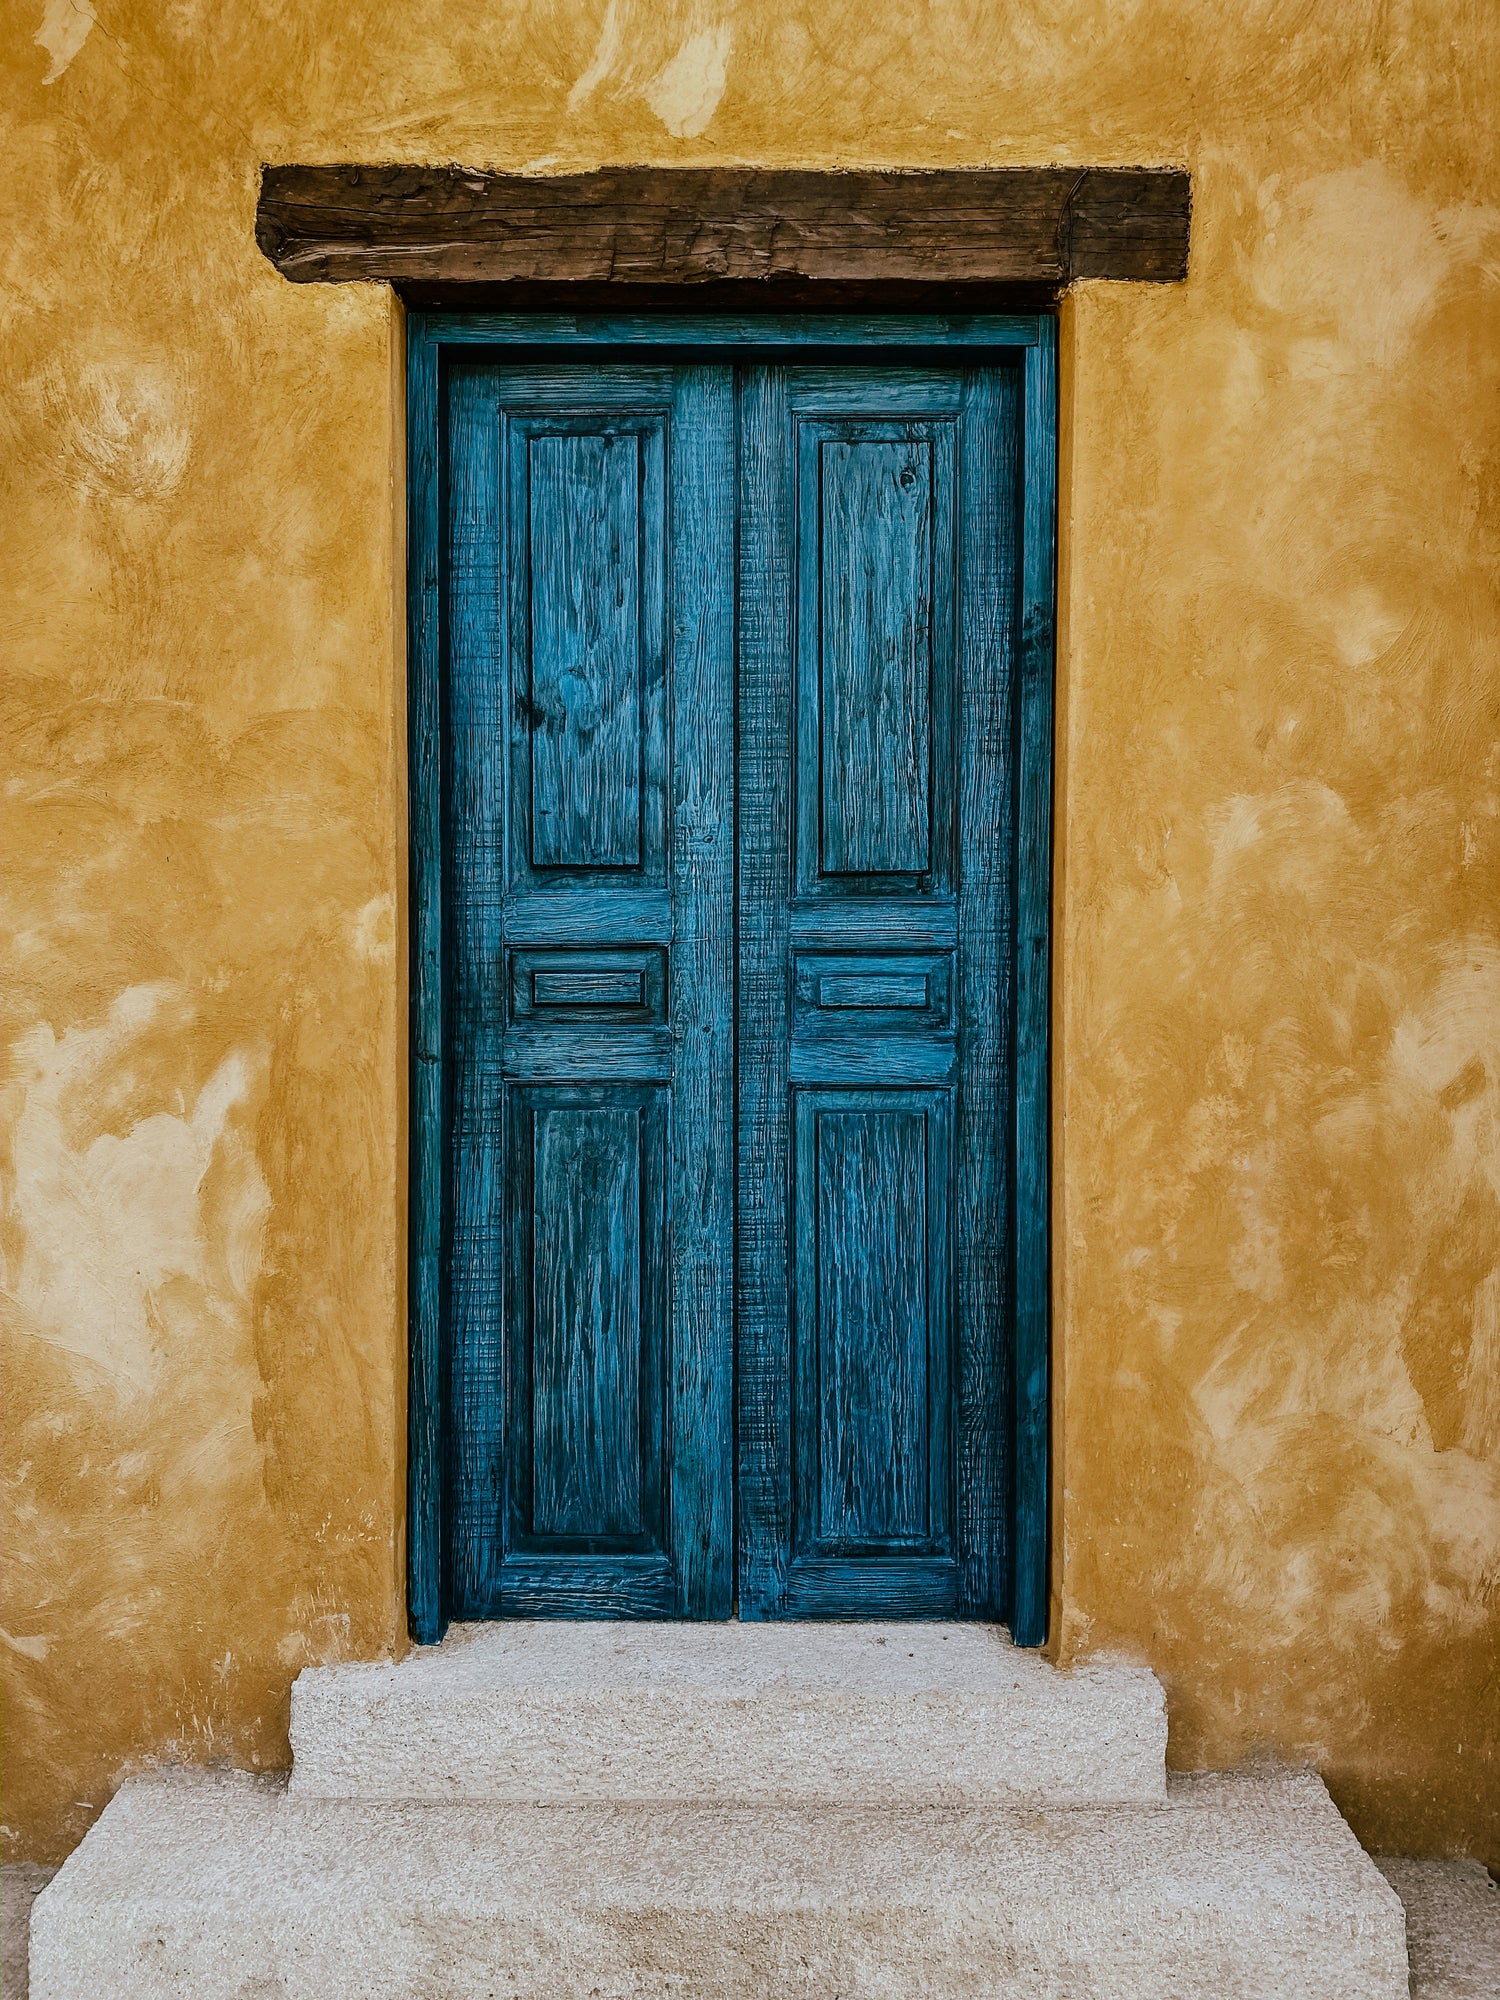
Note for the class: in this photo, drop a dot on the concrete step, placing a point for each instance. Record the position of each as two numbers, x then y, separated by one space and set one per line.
202 1887
732 1715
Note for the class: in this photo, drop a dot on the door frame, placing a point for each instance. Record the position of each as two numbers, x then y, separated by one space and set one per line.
1032 337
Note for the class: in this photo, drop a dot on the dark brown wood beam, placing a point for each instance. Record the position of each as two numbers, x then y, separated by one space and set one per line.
740 227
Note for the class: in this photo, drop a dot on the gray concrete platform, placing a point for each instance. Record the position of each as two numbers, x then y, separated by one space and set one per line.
197 1887
732 1714
1452 1926
20 1884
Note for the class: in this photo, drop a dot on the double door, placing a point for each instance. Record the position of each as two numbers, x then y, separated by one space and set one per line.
726 1284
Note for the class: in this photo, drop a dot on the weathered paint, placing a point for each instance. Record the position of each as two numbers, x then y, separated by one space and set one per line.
898 840
1278 994
586 1186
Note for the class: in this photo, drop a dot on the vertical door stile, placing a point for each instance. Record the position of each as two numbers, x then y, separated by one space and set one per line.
987 556
763 1384
426 1529
702 1153
1031 1106
474 810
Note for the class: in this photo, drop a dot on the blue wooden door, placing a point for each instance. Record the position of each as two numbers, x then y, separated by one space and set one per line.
731 686
590 830
877 744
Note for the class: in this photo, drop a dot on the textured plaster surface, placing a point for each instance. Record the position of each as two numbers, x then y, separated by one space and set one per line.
1277 1055
1249 1887
730 1714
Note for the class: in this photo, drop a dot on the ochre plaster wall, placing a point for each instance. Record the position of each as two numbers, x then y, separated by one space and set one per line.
1278 904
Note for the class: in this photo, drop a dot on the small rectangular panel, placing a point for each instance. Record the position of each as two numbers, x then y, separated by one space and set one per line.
872 1303
589 989
875 545
846 993
866 990
582 988
586 1465
585 631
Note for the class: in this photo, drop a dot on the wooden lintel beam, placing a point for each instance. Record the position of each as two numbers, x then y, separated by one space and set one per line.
735 226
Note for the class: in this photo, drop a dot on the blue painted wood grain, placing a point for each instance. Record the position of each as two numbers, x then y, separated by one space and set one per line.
588 846
873 734
845 1419
868 1322
589 1325
767 851
559 1050
584 542
742 334
586 522
585 915
701 1003
1031 1112
521 525
871 992
985 996
473 801
843 994
585 1472
427 1225
875 507
871 1312
591 989
628 987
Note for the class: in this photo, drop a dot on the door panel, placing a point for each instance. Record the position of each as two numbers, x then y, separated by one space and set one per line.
586 1187
874 516
585 724
877 587
590 826
630 550
872 643
588 524
869 1214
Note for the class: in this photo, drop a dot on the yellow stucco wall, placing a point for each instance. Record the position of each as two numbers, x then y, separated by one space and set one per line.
1278 991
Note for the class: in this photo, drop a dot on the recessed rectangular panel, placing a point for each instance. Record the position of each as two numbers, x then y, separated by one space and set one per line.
586 707
901 991
865 993
872 1333
589 989
872 1325
875 776
586 1326
589 1326
875 528
584 989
